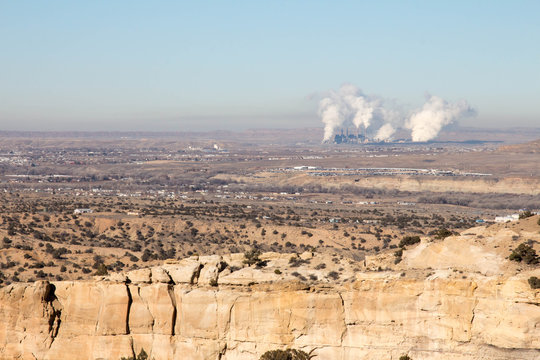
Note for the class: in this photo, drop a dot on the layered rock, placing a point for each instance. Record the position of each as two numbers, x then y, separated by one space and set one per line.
199 309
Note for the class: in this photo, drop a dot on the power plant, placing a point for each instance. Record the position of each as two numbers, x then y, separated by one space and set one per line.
346 138
377 119
360 137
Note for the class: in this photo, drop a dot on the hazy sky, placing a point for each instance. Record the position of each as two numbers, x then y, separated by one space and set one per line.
181 65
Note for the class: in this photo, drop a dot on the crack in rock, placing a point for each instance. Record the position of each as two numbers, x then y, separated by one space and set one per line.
130 301
53 309
170 290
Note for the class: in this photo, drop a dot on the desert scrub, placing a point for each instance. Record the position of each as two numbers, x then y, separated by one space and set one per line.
524 253
409 240
398 256
334 275
142 356
252 257
289 354
443 233
534 282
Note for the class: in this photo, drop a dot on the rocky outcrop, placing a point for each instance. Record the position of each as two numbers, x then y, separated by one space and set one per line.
199 309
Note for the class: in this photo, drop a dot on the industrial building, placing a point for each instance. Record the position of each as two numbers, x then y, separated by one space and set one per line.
346 138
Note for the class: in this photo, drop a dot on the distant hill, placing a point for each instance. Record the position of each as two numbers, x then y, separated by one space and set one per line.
280 136
257 136
507 135
532 147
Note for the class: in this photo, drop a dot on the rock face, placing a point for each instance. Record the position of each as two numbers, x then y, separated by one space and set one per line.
185 311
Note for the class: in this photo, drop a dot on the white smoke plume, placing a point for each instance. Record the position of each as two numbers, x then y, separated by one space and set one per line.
361 107
346 107
380 118
426 123
385 132
331 111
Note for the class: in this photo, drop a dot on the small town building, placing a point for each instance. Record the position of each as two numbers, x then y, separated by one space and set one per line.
83 211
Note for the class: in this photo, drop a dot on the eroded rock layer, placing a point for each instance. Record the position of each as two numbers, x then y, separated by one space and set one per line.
187 311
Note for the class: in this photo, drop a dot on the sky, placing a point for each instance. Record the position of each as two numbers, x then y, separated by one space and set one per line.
204 65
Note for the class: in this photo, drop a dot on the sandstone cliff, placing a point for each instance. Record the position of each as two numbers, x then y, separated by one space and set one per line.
198 308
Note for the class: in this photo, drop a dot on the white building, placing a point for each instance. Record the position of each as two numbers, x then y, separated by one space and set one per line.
507 218
83 211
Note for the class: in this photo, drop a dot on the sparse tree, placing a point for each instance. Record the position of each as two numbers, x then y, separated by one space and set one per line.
534 282
252 257
524 253
101 270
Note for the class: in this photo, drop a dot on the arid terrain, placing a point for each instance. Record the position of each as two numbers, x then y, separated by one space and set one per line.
88 209
155 198
474 295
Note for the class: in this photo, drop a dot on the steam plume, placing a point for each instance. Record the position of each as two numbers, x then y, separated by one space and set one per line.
350 107
385 132
436 113
346 107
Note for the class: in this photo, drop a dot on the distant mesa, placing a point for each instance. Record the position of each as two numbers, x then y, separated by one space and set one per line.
532 147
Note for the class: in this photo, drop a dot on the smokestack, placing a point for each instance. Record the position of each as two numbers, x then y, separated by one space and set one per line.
365 137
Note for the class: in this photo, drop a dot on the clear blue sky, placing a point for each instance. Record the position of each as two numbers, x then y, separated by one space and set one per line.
181 65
